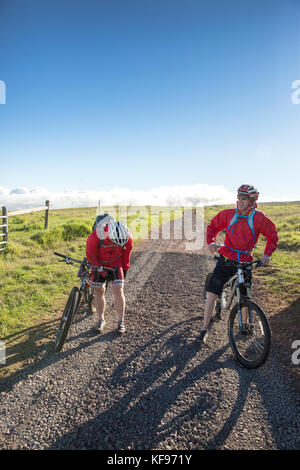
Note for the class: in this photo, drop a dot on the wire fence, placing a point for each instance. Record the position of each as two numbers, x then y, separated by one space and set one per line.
5 215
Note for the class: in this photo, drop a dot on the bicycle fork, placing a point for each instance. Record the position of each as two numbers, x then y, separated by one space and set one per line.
240 298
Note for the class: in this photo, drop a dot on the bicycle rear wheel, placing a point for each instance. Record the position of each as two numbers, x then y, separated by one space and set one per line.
67 317
250 343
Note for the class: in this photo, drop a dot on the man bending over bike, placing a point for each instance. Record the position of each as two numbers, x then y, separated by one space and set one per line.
242 226
109 246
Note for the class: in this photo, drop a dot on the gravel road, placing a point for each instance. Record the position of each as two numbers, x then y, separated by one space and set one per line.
154 387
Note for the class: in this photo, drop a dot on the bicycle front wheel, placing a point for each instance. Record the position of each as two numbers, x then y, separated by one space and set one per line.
250 336
67 317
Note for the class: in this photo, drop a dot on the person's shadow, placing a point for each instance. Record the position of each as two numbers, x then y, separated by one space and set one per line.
140 417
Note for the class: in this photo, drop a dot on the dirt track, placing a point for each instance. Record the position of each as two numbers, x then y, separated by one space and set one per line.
153 388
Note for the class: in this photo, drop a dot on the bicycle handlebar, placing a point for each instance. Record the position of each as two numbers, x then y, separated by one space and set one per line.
69 260
258 262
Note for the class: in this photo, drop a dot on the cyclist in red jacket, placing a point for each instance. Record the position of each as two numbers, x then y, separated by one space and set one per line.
242 226
110 246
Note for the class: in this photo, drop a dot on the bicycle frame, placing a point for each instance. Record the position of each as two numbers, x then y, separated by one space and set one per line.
84 278
248 327
230 283
237 283
240 288
243 294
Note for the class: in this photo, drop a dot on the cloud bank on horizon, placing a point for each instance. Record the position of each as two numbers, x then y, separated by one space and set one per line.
186 196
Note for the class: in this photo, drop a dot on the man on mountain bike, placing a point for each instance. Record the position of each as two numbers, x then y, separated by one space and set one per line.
242 226
110 246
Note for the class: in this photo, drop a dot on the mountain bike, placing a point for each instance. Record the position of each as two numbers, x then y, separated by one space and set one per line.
249 331
85 293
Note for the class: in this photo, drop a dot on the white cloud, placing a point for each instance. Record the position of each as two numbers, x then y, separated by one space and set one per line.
193 195
19 191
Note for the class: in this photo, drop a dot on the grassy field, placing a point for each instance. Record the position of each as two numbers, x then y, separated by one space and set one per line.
34 285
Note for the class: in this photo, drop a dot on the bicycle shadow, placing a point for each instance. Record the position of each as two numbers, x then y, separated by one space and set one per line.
286 323
149 385
22 347
164 378
33 348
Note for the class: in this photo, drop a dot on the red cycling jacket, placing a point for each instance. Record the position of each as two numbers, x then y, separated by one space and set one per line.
239 238
108 254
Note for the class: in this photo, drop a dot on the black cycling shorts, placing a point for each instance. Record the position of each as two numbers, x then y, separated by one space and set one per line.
116 277
222 273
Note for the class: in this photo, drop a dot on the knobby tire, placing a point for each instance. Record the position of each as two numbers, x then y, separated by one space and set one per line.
67 318
264 325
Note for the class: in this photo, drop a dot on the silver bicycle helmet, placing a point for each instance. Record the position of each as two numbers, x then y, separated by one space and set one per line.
118 233
101 223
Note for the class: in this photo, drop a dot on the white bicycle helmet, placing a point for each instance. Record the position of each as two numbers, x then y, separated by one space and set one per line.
101 223
118 233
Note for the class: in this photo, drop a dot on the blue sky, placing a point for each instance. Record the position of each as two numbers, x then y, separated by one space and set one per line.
150 93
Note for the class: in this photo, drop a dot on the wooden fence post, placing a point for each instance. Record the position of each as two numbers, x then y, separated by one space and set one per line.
4 213
4 225
47 214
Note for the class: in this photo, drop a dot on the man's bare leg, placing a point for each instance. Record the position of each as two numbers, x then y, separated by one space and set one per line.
119 301
100 303
209 308
208 311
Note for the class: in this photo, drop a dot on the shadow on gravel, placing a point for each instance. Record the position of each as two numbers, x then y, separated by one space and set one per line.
286 323
167 387
24 345
34 348
152 408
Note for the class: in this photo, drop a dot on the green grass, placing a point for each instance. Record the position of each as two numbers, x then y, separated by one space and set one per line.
283 274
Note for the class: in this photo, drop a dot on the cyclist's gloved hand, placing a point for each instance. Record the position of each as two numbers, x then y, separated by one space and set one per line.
265 259
213 248
125 273
96 276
